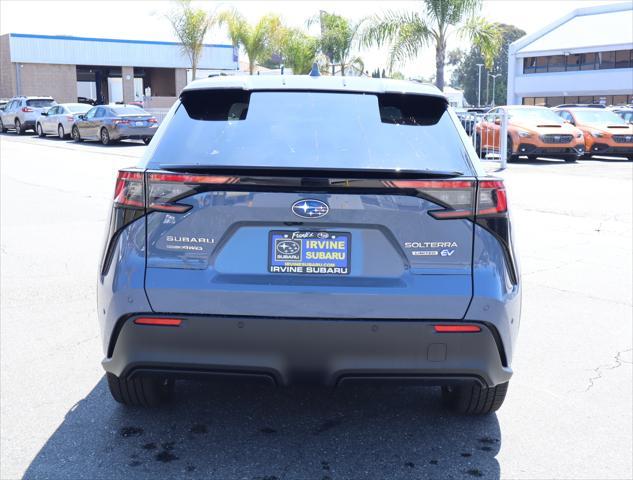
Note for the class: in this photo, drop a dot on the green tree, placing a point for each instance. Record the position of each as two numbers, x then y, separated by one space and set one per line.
409 32
298 50
339 36
466 74
259 41
190 26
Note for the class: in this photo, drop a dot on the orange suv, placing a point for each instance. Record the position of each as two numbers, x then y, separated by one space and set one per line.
532 132
605 132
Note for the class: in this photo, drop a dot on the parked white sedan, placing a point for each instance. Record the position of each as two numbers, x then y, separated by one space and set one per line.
59 120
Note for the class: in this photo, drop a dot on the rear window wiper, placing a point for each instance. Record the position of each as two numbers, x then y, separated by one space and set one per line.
337 173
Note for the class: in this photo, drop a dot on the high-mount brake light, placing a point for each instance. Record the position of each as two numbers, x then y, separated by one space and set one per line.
457 328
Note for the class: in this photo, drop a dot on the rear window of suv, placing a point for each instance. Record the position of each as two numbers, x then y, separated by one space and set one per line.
40 102
311 129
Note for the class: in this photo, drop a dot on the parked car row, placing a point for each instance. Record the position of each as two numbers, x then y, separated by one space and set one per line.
104 123
568 131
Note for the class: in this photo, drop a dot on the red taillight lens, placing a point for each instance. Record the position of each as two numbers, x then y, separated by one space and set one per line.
165 189
492 198
165 322
121 122
129 189
27 109
152 120
457 197
457 328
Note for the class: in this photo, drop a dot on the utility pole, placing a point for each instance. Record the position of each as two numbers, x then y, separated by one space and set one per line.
487 90
479 65
494 81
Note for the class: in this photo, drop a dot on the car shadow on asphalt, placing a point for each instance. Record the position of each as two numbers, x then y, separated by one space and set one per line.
226 430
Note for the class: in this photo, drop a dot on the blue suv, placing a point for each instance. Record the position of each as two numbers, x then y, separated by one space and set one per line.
310 229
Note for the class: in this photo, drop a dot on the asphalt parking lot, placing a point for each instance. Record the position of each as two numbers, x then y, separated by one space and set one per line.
568 413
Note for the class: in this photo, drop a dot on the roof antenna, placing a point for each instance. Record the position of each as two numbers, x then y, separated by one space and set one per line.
315 70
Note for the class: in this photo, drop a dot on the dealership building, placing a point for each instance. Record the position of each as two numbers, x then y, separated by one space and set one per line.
102 69
584 57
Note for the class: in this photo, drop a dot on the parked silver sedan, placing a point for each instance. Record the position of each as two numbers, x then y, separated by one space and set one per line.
59 120
110 123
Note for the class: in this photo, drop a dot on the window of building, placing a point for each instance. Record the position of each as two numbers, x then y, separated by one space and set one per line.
573 62
541 65
606 60
554 101
623 58
587 61
556 63
528 100
529 65
540 101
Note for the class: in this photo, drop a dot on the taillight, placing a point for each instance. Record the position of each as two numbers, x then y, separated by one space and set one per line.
492 198
70 118
120 122
456 197
27 109
166 189
128 191
128 206
152 120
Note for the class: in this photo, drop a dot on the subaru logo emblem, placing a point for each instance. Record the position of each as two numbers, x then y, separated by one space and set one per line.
310 208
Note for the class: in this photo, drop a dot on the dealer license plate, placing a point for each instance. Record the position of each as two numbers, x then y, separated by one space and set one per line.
309 252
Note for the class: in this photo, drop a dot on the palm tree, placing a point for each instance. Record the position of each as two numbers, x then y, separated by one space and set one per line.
299 50
190 26
409 32
258 41
338 37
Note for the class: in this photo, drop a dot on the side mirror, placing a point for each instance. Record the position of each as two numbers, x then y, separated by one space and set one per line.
81 117
497 121
45 114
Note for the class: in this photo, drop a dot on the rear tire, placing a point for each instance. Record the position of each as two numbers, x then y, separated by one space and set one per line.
76 135
140 391
104 136
40 130
18 127
60 132
473 399
3 129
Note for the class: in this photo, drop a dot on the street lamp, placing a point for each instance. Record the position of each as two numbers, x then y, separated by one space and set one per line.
479 65
494 81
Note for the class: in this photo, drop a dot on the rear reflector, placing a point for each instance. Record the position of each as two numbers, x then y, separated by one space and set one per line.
457 328
166 322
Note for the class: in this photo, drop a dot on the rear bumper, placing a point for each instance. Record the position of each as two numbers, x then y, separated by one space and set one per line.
529 149
308 350
137 133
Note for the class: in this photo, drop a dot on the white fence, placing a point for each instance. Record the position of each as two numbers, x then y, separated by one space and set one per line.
489 134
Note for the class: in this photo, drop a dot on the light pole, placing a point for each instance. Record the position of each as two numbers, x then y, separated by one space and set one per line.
494 81
487 90
479 65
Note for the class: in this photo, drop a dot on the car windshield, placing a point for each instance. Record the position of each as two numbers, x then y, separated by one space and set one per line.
40 102
129 110
78 107
534 116
314 129
598 116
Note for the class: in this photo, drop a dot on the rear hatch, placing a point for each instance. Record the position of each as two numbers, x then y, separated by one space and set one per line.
310 204
35 106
